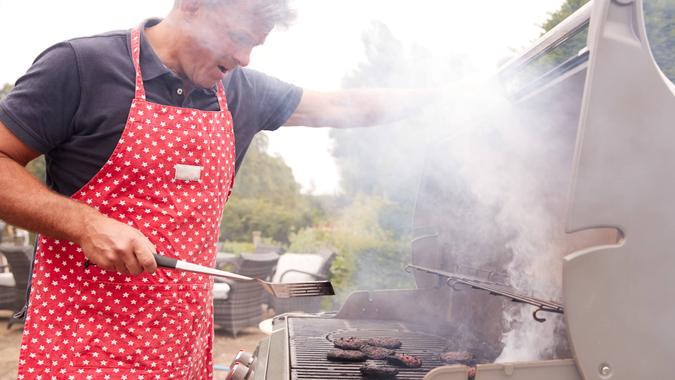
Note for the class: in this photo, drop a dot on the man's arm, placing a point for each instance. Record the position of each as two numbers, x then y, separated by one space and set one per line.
27 203
356 107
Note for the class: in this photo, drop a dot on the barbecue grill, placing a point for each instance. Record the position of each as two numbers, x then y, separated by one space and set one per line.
594 81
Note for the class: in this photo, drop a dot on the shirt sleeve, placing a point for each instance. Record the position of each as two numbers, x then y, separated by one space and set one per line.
272 100
40 108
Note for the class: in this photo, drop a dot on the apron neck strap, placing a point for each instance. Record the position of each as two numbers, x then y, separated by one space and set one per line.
222 99
140 89
136 58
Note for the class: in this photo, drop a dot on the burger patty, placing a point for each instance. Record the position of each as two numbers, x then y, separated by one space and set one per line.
350 343
457 357
405 360
385 342
371 370
376 352
338 355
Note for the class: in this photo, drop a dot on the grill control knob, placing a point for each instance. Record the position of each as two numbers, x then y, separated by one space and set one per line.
243 357
238 372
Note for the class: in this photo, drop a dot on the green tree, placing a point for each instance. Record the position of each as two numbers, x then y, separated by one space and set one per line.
5 90
370 256
266 198
37 168
660 20
565 10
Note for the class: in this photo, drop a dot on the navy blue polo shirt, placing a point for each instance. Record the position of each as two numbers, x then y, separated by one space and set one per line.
72 104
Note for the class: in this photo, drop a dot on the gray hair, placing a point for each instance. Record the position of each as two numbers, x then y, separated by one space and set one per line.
270 12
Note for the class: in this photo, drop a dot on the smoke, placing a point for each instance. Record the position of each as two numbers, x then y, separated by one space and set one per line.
510 163
525 177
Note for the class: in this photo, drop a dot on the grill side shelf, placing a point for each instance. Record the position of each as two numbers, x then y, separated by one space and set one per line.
455 281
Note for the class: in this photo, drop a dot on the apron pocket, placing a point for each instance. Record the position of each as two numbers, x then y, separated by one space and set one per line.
199 324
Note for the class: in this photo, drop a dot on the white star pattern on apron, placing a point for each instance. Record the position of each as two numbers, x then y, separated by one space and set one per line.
88 323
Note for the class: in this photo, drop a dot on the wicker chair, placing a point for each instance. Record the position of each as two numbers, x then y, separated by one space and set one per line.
13 293
241 305
317 267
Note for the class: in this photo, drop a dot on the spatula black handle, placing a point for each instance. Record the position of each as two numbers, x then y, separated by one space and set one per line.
165 262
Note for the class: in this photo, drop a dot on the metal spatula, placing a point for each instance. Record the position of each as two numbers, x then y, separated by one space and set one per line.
279 290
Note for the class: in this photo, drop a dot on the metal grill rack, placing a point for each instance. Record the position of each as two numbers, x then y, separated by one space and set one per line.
310 340
456 281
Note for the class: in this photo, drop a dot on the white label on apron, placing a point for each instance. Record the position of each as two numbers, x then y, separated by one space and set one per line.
188 172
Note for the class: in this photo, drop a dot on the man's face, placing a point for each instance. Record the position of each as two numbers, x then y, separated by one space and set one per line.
221 38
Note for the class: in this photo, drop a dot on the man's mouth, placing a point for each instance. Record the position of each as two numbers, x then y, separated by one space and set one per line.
222 69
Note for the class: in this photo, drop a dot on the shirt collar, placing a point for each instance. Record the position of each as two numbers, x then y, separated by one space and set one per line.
151 66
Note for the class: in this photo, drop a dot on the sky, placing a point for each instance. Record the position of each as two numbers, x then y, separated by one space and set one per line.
316 52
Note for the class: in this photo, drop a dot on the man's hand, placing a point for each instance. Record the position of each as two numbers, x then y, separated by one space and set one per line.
115 246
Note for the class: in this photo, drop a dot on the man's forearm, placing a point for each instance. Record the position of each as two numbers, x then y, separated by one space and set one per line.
27 203
357 107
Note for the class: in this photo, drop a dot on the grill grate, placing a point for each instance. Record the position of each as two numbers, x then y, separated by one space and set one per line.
311 338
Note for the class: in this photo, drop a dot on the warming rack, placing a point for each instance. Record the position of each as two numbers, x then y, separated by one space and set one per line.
456 281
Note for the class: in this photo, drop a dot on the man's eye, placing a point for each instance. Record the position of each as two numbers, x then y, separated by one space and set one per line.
239 39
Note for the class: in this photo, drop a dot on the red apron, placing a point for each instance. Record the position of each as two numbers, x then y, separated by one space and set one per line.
169 176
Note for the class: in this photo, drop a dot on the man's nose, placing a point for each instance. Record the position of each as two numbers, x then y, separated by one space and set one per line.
243 57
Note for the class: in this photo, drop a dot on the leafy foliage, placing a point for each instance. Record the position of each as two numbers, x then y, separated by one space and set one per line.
311 239
660 20
37 168
5 90
266 198
370 257
568 7
236 247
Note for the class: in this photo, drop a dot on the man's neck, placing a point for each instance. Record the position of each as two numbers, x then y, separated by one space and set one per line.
163 38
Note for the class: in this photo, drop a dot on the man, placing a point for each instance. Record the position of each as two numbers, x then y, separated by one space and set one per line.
143 132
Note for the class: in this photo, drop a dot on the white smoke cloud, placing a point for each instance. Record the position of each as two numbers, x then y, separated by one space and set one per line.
525 174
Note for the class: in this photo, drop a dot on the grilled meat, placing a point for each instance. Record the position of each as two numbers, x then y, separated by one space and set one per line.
405 360
385 342
338 355
461 357
457 357
376 352
349 343
371 370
